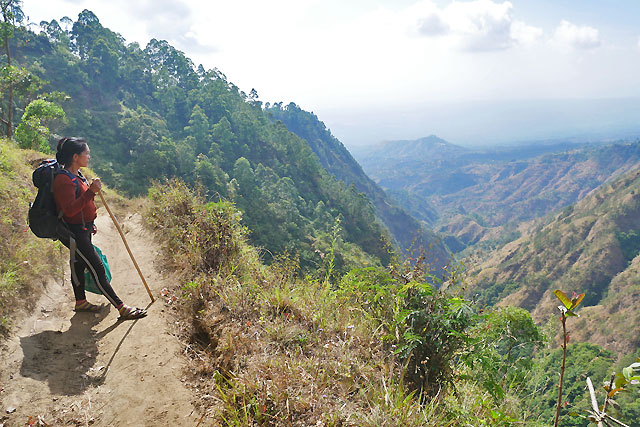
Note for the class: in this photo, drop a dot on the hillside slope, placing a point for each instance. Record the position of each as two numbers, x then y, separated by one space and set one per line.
151 114
264 345
527 189
474 192
589 247
23 257
406 231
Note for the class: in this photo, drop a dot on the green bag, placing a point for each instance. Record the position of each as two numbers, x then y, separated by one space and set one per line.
89 283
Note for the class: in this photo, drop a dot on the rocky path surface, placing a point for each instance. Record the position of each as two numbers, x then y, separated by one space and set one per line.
65 368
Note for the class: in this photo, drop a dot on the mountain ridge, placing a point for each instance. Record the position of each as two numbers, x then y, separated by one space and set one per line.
589 247
150 113
492 190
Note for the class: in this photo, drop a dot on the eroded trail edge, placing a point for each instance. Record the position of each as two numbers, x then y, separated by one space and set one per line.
67 368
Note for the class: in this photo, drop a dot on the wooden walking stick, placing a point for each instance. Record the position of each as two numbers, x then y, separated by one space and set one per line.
113 218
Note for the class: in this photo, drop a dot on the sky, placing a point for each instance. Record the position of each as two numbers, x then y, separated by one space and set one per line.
472 72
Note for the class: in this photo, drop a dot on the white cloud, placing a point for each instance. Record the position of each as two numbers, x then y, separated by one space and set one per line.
481 25
476 26
432 25
424 18
170 20
525 34
579 37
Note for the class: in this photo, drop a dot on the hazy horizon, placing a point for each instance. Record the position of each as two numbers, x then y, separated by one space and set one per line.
478 72
490 123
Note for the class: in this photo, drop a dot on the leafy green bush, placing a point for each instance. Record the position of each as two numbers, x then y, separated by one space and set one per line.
33 132
629 243
501 354
424 319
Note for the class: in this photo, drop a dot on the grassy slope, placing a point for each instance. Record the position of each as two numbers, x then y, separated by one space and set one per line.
272 348
267 346
26 262
578 250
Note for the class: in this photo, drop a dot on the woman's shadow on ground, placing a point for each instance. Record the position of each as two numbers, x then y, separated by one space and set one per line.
66 359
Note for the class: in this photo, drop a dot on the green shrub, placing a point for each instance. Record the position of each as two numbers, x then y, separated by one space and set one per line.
425 320
33 132
501 354
629 243
434 327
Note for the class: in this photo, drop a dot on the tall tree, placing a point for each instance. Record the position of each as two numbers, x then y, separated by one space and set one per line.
34 131
198 129
11 15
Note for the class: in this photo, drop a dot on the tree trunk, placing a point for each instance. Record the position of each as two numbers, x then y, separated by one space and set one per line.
10 106
9 121
564 358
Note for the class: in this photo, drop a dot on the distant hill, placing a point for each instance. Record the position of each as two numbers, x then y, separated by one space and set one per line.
526 189
406 231
590 247
427 149
475 192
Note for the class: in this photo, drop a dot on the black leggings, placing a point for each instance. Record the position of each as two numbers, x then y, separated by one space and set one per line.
87 258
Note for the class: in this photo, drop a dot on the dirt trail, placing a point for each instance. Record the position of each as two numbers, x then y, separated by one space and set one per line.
88 369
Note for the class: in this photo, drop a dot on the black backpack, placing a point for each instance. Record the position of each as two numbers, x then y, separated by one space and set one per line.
44 219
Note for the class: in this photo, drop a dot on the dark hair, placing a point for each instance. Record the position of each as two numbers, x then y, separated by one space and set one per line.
67 147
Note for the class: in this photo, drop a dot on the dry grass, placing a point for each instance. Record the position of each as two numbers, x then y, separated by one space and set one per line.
26 262
269 347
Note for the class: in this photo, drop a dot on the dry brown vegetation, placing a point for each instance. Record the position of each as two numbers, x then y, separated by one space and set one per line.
579 249
269 347
26 262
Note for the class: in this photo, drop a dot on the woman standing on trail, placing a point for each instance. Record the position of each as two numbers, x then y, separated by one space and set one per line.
74 198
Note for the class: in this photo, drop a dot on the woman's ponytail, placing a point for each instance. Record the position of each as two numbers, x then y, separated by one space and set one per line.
67 147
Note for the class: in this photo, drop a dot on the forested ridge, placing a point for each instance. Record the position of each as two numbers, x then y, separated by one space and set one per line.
407 232
241 195
150 113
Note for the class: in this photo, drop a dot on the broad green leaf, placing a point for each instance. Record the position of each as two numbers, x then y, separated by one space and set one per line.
627 372
570 313
620 381
563 298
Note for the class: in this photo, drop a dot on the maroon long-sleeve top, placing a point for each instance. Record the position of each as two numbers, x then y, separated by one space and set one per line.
64 192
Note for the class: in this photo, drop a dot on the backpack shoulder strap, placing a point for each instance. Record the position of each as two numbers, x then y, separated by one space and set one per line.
72 177
83 178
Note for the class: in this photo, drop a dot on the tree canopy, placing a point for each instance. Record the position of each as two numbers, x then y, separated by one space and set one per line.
150 114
